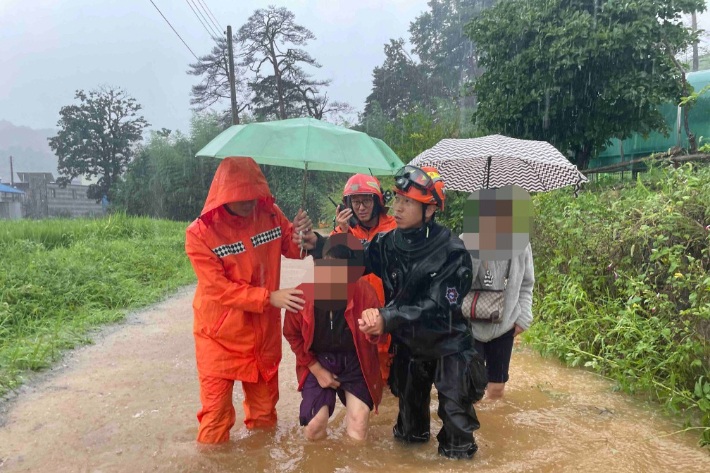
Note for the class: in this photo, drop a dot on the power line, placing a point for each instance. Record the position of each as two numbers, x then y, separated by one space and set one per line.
209 32
204 2
215 32
171 27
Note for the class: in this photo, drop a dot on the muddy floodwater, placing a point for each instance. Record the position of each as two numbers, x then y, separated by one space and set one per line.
128 403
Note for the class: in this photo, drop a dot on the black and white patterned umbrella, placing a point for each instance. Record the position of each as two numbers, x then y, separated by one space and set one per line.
496 161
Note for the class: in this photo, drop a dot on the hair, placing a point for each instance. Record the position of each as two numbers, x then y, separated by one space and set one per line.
340 252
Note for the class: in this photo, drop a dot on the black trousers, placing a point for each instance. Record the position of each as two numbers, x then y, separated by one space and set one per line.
460 380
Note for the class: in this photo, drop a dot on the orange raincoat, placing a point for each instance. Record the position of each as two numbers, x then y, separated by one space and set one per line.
384 224
237 332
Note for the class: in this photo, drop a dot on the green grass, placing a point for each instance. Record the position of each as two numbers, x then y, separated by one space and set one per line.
61 278
623 285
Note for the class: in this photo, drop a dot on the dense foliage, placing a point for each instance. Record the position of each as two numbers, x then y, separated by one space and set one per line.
623 285
577 73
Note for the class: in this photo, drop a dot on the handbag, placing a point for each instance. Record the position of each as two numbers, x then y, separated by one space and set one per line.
486 305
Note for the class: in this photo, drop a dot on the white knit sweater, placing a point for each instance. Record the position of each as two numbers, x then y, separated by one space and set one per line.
518 294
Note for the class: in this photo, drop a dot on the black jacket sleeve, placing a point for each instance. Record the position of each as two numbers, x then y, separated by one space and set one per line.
317 251
445 294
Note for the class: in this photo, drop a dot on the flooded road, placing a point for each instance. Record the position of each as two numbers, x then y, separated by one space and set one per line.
128 403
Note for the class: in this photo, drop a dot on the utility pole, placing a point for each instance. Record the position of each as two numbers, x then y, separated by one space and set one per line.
232 88
696 59
12 174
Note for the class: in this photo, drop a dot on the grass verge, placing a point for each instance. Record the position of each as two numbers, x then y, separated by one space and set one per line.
60 278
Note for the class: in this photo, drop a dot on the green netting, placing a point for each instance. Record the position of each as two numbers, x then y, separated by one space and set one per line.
636 146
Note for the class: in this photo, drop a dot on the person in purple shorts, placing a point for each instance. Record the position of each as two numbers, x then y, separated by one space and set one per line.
334 358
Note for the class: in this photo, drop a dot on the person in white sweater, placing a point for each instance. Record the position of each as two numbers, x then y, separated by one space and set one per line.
494 341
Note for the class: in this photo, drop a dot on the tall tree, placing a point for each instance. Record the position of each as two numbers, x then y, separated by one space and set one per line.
399 83
577 73
269 39
447 62
318 105
266 103
213 68
440 41
96 138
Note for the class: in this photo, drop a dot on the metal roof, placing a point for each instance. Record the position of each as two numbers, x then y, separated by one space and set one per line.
10 190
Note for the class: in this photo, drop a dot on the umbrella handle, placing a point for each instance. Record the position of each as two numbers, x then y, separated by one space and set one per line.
305 180
303 206
300 253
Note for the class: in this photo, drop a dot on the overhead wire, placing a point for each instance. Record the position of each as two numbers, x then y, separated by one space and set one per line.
174 31
210 32
204 3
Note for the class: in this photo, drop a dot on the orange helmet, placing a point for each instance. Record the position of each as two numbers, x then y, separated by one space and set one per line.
362 184
423 184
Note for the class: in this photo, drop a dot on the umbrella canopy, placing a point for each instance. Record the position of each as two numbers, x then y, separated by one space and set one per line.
305 143
496 161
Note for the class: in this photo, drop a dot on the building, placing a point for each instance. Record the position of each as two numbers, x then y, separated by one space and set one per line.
45 198
10 202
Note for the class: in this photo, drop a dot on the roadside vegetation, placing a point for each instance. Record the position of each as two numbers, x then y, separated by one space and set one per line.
623 285
61 278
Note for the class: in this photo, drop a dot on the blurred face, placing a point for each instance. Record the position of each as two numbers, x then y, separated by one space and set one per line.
497 223
334 273
363 205
242 208
333 280
408 212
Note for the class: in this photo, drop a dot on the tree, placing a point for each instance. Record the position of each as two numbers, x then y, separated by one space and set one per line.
319 106
266 103
373 121
448 60
214 87
577 73
96 138
440 41
166 179
399 83
268 39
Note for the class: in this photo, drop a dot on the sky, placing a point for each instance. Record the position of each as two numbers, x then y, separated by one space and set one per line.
51 48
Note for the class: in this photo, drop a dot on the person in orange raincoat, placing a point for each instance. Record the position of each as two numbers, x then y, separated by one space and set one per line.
235 248
364 208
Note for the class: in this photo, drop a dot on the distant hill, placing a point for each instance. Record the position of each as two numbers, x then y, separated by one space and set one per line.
29 149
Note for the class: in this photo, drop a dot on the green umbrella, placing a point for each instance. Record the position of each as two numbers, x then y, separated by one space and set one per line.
305 143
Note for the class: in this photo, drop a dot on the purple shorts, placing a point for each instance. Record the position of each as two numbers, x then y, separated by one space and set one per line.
346 367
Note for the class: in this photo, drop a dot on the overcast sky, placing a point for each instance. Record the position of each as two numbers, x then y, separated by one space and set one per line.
50 48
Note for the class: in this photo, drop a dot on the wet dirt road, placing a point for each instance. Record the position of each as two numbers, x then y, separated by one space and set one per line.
128 403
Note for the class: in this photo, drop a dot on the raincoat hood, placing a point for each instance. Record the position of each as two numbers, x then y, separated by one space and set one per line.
237 179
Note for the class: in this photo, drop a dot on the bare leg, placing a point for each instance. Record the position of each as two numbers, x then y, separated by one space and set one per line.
495 390
316 428
358 415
